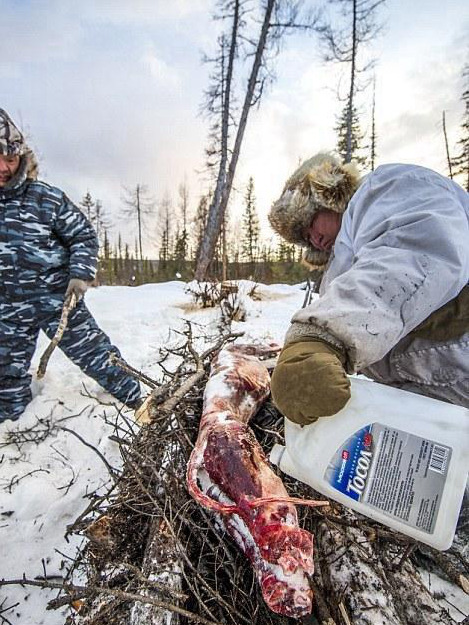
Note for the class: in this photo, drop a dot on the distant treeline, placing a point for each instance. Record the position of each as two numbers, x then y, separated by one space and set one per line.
131 272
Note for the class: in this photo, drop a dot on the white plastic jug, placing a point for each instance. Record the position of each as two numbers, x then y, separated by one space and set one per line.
394 456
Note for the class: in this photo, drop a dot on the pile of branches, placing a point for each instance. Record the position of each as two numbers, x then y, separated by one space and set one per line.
154 556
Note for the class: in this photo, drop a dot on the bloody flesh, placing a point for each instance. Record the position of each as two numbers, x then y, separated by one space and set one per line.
237 481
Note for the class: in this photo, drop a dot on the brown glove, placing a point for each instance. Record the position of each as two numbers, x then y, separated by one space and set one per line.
309 382
78 287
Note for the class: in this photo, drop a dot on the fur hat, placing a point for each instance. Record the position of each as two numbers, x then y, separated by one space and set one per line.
12 143
320 183
11 140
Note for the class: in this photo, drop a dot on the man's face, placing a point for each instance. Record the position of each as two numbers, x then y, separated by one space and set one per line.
8 168
324 229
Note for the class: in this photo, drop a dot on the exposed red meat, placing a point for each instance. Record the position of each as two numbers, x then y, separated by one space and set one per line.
237 481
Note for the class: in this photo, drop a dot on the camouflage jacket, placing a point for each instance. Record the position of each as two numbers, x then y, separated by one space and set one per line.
44 240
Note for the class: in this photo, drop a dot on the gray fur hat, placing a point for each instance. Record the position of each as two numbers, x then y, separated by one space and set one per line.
11 140
320 183
12 143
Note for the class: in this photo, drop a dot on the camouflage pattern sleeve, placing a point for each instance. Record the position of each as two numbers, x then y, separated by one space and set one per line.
79 237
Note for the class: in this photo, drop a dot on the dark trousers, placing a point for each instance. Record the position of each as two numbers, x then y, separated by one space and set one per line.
83 342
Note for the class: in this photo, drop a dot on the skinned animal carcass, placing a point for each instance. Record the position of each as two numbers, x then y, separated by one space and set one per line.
237 482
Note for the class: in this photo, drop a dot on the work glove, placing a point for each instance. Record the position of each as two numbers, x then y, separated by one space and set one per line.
77 287
309 381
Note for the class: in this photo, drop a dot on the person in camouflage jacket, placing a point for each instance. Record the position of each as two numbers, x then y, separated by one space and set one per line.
48 249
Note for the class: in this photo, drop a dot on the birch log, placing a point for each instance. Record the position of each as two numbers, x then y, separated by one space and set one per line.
371 587
355 577
160 565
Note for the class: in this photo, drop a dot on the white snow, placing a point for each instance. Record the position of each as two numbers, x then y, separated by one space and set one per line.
45 485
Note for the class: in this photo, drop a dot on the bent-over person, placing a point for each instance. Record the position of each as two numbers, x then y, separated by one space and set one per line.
394 298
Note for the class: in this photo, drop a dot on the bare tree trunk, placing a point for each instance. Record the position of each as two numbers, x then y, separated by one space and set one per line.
224 254
448 158
348 151
373 128
220 202
213 225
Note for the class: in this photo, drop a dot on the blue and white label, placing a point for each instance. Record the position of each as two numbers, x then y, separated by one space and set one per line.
398 473
349 469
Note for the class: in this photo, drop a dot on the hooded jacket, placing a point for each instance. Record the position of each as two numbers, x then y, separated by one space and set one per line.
45 240
402 253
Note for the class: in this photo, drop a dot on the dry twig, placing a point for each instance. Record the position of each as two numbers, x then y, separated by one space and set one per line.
151 514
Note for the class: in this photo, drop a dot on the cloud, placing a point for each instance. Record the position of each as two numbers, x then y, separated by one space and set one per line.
36 32
46 30
141 11
161 71
410 102
110 92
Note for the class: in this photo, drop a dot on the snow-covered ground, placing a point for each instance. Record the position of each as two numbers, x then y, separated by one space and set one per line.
44 484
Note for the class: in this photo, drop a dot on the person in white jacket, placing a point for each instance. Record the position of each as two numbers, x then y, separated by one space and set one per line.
394 299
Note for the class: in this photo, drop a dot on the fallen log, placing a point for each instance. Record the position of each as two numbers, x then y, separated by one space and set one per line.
161 564
411 597
354 578
374 583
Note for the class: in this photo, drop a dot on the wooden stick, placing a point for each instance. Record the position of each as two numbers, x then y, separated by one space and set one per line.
83 591
148 410
444 562
69 304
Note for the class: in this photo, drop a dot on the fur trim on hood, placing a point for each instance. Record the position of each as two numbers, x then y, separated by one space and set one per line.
12 143
320 183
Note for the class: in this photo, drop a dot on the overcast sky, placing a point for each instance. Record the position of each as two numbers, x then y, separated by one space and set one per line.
109 92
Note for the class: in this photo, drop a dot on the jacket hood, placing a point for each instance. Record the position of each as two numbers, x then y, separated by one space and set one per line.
320 183
12 143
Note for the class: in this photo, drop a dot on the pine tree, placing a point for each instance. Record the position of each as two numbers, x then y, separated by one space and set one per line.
267 254
349 136
119 254
180 247
100 221
251 229
87 206
106 247
165 210
461 160
116 266
107 260
286 252
94 212
181 244
343 45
